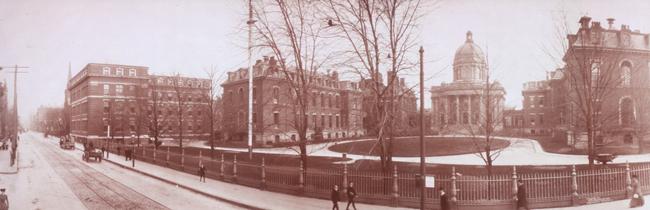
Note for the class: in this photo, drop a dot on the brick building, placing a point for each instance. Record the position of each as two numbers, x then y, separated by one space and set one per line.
334 106
406 116
111 101
614 62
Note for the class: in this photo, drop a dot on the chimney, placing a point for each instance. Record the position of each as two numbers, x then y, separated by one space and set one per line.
610 22
584 22
595 24
266 58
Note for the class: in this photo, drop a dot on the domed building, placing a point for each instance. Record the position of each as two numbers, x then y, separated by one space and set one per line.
460 106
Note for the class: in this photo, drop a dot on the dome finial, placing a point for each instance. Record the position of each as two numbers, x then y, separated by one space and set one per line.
469 36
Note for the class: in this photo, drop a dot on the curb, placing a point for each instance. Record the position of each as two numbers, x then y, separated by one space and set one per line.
15 165
243 205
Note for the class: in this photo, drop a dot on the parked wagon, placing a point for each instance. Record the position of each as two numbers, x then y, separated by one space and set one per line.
93 153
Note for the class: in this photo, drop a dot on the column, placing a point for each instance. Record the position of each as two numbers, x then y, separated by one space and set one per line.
458 109
469 108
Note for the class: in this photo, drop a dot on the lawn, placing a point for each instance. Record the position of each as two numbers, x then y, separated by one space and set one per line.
410 147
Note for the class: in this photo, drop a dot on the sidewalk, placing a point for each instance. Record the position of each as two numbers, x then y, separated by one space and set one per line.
241 195
5 162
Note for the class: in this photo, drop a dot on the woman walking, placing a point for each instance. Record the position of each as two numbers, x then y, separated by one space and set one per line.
637 196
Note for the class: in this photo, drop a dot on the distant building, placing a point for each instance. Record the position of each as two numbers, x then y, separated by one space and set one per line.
334 106
111 101
48 120
405 116
460 106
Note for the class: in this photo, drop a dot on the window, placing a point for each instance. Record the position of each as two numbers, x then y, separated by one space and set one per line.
107 89
276 118
626 108
119 89
541 119
119 71
329 101
338 122
336 102
595 72
329 121
322 100
254 117
107 107
132 72
106 70
322 121
314 96
241 94
276 95
626 74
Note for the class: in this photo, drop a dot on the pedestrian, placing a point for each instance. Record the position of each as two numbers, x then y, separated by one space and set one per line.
335 197
444 201
351 195
4 200
103 150
637 196
522 202
202 171
127 154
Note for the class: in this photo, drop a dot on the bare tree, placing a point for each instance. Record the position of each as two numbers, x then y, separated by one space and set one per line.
374 29
211 97
293 32
181 104
157 120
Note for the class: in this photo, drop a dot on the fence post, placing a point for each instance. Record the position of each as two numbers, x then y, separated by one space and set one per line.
167 157
454 190
514 183
155 150
143 152
628 180
574 186
182 159
345 178
263 183
301 180
234 168
395 187
200 158
221 167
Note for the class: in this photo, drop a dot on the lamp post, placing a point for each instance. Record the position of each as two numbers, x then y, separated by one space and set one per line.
132 153
422 190
250 23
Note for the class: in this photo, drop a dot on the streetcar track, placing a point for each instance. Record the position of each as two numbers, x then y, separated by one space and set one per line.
95 182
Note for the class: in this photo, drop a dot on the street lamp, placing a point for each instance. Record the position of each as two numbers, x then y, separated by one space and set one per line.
422 128
132 152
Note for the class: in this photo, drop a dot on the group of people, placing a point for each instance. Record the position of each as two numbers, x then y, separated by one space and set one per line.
351 193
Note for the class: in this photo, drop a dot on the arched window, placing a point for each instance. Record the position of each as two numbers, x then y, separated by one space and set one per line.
626 74
626 111
465 118
595 72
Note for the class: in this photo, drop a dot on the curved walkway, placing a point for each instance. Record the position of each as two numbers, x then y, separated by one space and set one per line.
520 152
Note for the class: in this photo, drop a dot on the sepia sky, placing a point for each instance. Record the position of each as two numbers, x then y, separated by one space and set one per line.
190 36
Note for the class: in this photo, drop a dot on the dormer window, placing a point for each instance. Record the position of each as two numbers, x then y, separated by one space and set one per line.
132 73
119 71
106 70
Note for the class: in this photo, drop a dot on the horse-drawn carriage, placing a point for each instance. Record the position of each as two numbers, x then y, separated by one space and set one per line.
92 152
66 142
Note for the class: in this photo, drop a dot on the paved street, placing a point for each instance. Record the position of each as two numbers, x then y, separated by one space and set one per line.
73 184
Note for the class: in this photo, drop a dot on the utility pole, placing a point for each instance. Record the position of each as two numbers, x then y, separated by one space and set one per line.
250 23
15 72
422 190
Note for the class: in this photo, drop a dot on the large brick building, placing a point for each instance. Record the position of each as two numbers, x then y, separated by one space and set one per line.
605 81
111 101
334 109
614 63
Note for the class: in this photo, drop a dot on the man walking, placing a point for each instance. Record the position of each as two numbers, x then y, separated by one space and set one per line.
444 201
202 172
351 195
4 200
335 197
522 202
